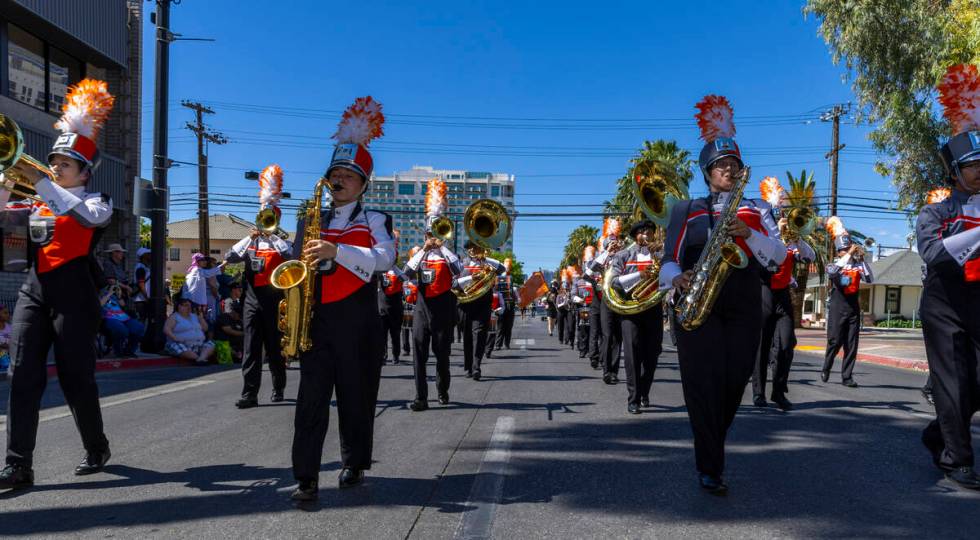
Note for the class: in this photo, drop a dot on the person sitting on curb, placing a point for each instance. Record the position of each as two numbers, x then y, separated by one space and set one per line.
186 334
229 328
126 331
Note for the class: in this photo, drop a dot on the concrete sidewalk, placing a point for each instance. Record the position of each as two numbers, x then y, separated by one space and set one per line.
903 349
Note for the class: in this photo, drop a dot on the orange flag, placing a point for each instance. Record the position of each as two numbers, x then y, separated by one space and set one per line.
535 287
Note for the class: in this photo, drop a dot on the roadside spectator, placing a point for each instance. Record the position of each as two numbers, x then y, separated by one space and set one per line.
141 284
229 328
114 267
195 284
5 329
185 332
234 294
126 332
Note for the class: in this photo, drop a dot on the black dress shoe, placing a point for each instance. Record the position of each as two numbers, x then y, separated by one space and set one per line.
419 405
607 378
614 378
712 484
824 376
644 402
444 399
633 408
247 403
935 448
850 383
476 375
307 490
16 477
93 463
469 373
276 396
760 401
783 403
965 477
350 477
594 364
395 362
928 396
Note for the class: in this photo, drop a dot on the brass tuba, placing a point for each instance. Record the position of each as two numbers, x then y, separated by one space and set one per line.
657 192
11 154
487 225
296 279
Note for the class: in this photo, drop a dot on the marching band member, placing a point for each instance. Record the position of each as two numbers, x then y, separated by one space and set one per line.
777 309
476 314
496 310
948 240
58 305
354 245
595 328
571 319
612 336
435 268
409 298
551 306
509 292
390 306
561 302
716 358
583 296
843 309
643 333
262 253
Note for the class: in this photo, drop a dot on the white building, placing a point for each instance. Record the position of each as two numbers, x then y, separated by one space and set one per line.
402 195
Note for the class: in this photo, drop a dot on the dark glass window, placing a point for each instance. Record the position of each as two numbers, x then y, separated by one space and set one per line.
25 71
63 71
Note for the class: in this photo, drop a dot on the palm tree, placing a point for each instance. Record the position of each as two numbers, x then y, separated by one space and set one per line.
581 236
670 156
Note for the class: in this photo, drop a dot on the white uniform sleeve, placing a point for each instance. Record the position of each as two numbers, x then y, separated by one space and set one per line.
962 246
92 211
629 281
281 245
415 261
365 261
237 251
805 252
768 250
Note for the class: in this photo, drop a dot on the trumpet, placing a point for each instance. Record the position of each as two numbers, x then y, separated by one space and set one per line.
799 221
12 155
441 228
267 222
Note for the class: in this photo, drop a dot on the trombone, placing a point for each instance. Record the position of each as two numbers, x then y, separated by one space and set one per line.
12 155
267 222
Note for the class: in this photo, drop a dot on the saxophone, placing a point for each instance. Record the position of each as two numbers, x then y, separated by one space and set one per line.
720 255
296 279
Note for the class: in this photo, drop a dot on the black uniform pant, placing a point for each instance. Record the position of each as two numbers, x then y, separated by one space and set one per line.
433 325
476 323
261 324
951 328
583 332
391 329
344 357
561 322
643 336
612 339
505 325
716 361
70 326
777 342
595 329
843 327
571 323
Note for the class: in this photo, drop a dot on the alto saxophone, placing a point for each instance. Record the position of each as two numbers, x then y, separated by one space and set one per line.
296 279
720 255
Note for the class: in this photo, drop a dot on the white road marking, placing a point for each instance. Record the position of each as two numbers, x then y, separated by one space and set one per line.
489 484
63 411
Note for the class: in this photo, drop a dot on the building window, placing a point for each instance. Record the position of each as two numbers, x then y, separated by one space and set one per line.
38 74
406 189
14 249
494 191
174 254
893 300
216 252
63 70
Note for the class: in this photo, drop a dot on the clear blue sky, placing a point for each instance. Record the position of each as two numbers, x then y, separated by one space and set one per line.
594 80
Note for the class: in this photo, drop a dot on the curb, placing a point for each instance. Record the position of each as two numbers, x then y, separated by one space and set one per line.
889 361
114 364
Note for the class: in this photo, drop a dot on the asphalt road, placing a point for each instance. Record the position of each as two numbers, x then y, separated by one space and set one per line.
538 449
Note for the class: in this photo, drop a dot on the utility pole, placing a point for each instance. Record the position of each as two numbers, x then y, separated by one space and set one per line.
833 115
204 135
158 231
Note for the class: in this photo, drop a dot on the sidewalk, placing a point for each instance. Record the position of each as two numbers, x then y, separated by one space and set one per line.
885 347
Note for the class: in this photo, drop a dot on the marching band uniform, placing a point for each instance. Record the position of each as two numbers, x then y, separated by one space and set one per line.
346 326
260 311
571 317
948 240
716 359
609 320
476 314
58 305
777 327
390 300
561 302
496 310
583 295
844 311
411 294
506 323
595 326
643 332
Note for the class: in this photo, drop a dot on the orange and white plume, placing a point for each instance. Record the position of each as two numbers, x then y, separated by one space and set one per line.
715 118
610 227
588 253
507 265
270 186
87 105
361 123
771 191
938 195
564 275
572 273
835 226
436 202
959 94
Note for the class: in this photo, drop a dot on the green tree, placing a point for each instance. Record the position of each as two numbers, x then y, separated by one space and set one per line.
894 78
581 236
670 158
516 267
145 232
